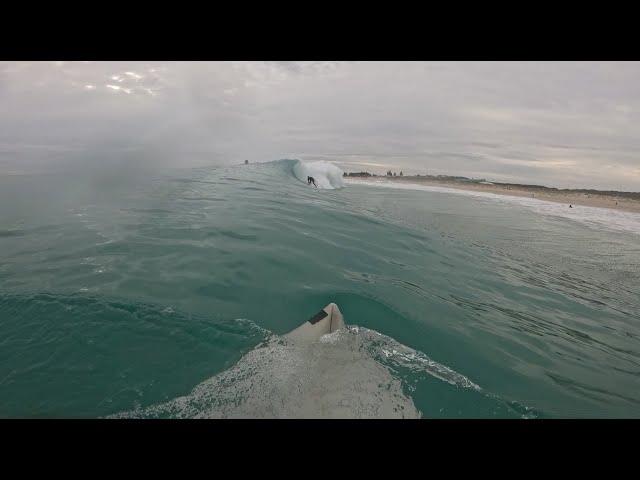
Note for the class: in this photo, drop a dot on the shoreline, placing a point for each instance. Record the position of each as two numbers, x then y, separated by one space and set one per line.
599 200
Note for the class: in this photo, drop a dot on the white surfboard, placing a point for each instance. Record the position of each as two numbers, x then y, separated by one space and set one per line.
327 320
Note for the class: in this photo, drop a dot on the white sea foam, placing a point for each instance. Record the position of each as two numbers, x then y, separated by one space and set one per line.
351 373
607 218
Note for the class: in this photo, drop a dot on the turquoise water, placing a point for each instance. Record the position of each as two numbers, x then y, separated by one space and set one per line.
131 294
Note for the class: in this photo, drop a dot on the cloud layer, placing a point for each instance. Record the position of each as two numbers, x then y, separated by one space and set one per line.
572 124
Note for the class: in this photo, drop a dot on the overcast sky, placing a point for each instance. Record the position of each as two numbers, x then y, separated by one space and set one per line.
565 124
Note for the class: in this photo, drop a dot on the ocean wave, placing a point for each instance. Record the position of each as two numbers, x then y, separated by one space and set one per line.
326 175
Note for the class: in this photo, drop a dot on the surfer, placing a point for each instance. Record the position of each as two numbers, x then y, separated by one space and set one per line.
311 180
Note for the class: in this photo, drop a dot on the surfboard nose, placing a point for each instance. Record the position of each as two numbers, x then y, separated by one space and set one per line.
327 320
336 320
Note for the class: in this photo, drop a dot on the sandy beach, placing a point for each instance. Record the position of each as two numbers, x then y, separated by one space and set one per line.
568 197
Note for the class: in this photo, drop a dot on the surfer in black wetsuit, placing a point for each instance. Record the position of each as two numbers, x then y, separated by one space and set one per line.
311 180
